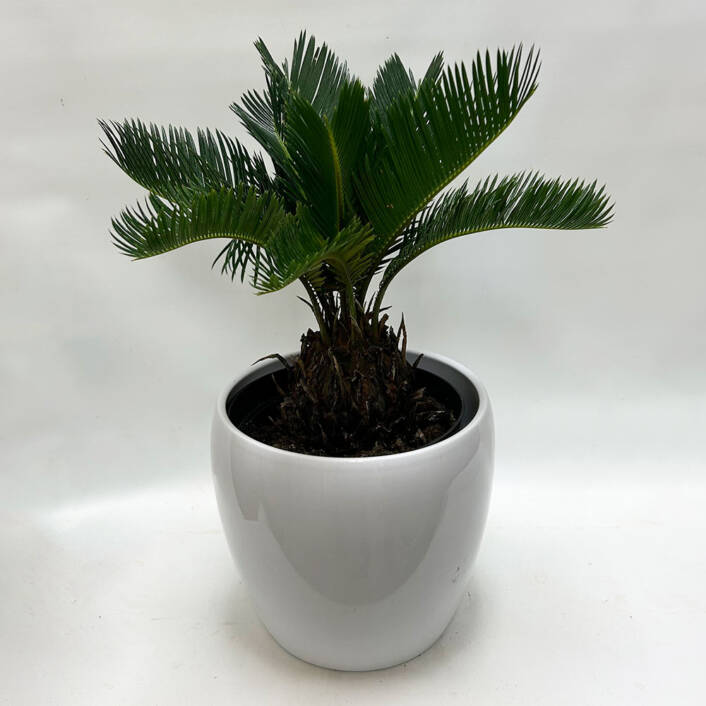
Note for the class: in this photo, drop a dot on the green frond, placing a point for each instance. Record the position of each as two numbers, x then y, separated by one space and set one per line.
277 85
257 114
262 114
392 81
314 165
298 250
316 74
174 165
323 155
350 127
430 139
349 258
157 227
435 69
525 200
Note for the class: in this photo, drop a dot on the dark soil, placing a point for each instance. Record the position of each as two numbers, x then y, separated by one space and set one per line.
351 397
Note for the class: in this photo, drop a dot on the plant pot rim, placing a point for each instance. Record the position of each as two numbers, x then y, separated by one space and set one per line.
432 449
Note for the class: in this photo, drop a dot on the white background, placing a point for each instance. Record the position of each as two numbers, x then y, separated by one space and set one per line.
115 582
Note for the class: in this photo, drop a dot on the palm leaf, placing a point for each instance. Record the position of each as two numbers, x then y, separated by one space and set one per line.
348 257
263 114
257 115
316 74
431 138
525 200
434 70
393 81
315 169
174 165
157 227
298 250
350 127
277 85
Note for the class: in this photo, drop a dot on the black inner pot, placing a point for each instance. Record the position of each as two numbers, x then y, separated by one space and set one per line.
258 399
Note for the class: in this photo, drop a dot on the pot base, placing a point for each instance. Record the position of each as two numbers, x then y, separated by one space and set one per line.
359 665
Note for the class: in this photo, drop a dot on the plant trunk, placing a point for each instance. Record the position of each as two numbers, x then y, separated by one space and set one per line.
354 396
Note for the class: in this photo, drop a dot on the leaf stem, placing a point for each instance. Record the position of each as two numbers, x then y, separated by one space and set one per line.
316 308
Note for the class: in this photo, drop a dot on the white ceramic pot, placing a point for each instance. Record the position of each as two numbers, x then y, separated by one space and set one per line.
356 563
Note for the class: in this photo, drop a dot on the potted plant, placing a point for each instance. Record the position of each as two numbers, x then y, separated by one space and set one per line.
353 477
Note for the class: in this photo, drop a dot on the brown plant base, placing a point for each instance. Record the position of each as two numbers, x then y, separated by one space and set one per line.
352 397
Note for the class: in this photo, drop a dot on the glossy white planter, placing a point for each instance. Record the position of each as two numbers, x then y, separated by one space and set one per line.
356 563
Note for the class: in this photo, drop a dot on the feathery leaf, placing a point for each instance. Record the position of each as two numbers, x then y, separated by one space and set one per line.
525 200
315 168
316 74
299 250
350 127
431 138
157 227
171 164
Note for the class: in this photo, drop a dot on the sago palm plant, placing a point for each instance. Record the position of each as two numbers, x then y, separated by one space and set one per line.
352 194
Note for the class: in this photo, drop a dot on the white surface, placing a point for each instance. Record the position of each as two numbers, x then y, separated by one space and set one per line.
592 346
578 596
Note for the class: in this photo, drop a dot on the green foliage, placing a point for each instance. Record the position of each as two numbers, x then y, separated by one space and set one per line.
394 81
350 126
158 227
171 164
314 166
518 201
431 135
356 177
316 75
299 250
